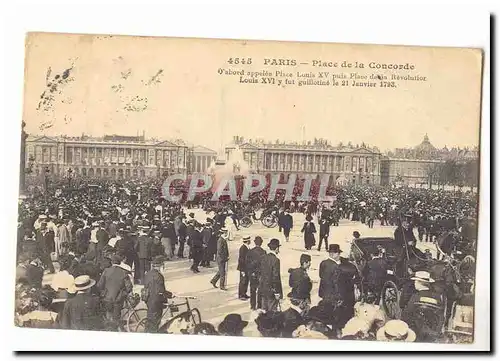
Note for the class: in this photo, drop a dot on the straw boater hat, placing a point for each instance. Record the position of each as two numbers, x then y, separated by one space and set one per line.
423 276
83 282
126 267
246 239
396 330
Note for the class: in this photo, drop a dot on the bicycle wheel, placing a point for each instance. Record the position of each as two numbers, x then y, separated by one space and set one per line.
134 317
182 323
245 222
140 326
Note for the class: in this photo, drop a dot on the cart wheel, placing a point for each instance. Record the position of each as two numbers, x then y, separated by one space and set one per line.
390 300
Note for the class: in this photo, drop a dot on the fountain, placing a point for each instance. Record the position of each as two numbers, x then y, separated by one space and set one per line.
235 167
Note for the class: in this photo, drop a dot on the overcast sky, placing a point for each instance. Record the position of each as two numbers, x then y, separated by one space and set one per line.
110 79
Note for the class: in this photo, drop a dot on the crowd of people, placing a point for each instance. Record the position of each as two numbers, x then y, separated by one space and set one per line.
99 238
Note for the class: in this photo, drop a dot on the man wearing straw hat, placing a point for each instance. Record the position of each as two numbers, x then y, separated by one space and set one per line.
242 267
424 297
82 312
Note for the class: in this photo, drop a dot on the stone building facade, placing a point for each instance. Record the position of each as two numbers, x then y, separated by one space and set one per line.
111 156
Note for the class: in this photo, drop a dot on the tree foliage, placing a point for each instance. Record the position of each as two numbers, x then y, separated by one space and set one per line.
454 173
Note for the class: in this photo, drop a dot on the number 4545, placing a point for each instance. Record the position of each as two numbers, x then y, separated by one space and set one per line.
237 61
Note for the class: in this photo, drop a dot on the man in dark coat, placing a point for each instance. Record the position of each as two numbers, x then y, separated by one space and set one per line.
196 248
338 277
281 214
375 274
324 232
424 302
206 235
222 258
287 224
82 312
270 287
190 230
293 317
309 229
143 248
102 239
114 286
242 267
44 239
83 245
403 233
253 261
155 295
182 234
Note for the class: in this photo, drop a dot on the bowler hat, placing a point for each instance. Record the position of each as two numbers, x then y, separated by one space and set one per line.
334 248
305 258
232 324
309 218
273 244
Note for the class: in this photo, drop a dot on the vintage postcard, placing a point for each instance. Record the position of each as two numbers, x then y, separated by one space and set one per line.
249 188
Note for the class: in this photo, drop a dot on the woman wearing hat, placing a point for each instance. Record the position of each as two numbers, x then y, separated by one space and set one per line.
309 229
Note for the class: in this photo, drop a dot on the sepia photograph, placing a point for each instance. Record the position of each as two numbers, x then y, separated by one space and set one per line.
249 188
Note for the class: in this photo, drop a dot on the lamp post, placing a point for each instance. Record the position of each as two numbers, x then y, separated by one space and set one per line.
70 172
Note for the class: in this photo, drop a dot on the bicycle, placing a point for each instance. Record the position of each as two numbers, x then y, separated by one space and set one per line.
132 315
192 314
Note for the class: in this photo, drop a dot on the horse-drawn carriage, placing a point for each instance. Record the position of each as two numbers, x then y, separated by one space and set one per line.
452 276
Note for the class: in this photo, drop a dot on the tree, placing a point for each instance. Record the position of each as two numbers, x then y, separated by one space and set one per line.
450 172
471 173
434 174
